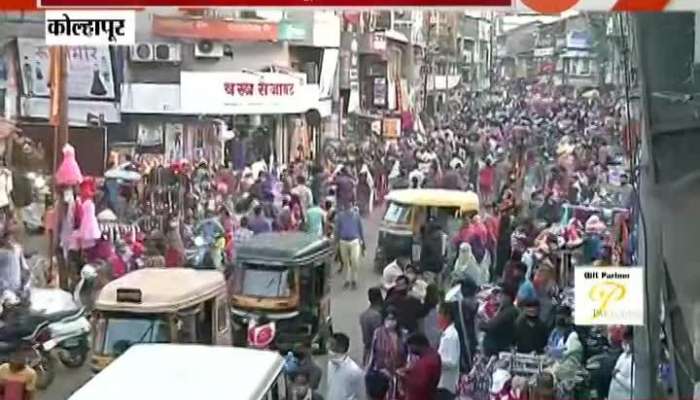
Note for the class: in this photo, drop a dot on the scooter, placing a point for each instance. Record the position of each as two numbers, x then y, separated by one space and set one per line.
69 339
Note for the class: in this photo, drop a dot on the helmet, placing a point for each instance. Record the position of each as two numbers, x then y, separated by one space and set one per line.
88 271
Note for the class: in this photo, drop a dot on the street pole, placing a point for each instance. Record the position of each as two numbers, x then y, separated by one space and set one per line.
426 63
59 120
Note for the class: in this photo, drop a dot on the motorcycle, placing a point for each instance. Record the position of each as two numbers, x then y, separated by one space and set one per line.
69 339
38 359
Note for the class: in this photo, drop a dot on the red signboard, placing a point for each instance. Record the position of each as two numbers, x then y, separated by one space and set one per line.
214 29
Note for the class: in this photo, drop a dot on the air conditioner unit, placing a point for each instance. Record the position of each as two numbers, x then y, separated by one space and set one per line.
208 49
142 52
166 52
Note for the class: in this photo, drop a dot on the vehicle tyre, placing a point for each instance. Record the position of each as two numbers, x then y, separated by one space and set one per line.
73 358
45 371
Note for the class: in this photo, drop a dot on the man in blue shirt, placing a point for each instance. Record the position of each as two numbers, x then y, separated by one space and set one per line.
259 224
351 242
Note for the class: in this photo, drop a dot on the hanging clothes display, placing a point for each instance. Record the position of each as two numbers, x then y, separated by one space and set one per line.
68 173
6 187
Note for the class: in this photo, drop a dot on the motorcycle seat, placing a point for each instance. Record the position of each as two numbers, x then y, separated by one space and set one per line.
60 315
6 347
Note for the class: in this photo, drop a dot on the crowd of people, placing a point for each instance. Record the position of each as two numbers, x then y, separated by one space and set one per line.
551 172
554 180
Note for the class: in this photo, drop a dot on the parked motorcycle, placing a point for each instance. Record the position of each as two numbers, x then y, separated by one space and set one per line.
38 359
69 339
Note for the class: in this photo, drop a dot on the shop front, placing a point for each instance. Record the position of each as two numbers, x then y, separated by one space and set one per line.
273 115
158 131
92 96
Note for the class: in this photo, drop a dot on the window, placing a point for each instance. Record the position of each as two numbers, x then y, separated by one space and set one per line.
122 333
585 66
397 214
263 281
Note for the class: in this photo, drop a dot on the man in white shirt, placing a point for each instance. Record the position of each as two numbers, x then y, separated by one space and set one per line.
345 379
449 351
393 271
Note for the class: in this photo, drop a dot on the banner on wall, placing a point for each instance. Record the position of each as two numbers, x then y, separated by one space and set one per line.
246 93
90 74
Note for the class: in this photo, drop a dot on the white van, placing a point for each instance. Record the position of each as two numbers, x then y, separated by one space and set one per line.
186 372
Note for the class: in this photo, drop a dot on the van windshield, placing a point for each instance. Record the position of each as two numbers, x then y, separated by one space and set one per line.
263 281
124 332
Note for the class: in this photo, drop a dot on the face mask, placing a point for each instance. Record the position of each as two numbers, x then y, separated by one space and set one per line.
390 323
626 347
442 322
336 358
561 321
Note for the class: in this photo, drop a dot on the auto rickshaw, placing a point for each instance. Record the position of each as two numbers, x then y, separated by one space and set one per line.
153 305
285 278
406 214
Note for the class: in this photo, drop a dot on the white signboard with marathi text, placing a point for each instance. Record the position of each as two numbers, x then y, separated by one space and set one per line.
609 296
90 74
245 93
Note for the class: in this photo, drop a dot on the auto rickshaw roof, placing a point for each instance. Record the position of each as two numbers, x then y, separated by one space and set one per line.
185 372
464 200
161 290
283 249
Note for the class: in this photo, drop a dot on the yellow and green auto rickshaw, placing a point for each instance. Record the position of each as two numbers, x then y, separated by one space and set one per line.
284 277
406 214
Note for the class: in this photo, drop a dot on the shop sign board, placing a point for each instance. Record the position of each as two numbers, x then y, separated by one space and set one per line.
609 296
294 31
90 75
214 29
245 93
544 52
379 41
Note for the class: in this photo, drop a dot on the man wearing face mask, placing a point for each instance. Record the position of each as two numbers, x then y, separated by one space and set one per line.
530 331
420 380
563 341
621 387
449 351
345 379
500 329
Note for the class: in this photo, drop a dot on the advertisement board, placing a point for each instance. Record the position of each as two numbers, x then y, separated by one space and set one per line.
608 296
90 74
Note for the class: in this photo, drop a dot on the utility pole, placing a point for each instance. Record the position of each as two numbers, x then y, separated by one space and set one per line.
427 62
59 119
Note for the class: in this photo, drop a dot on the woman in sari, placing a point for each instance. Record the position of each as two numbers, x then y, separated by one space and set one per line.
388 353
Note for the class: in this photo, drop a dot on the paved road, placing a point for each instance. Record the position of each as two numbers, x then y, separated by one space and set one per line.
346 307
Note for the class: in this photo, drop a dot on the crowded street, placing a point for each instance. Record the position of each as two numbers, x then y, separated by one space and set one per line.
344 303
310 205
